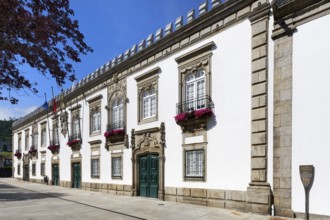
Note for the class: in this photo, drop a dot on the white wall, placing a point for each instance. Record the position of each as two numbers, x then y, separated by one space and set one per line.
311 113
228 149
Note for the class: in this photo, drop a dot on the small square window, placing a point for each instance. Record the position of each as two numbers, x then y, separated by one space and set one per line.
95 168
116 170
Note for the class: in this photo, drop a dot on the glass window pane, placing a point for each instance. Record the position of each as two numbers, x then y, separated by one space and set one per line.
116 166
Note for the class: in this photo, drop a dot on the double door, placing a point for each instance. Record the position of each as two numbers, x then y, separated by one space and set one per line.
55 174
149 174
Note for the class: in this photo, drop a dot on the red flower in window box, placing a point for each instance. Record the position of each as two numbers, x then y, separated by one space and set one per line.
54 148
18 154
115 132
204 112
180 117
114 136
73 142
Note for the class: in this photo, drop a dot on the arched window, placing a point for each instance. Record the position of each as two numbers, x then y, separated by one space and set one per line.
148 103
117 116
195 90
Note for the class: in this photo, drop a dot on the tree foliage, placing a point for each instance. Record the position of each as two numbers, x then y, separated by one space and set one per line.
42 34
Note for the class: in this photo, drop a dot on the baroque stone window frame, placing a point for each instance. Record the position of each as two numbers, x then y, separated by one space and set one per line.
146 81
95 154
55 127
95 107
194 147
75 115
197 59
117 155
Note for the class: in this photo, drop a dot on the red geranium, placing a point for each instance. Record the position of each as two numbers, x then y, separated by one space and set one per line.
180 117
115 132
73 142
203 112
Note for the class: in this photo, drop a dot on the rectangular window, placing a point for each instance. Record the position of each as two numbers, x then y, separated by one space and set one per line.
76 129
194 164
19 145
95 121
42 169
35 141
95 168
18 169
147 85
55 136
33 169
116 164
26 140
43 137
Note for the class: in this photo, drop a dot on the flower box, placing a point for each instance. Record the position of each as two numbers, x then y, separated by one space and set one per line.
18 155
192 120
33 151
115 135
54 148
74 144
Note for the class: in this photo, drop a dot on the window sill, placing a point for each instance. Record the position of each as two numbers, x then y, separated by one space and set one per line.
148 120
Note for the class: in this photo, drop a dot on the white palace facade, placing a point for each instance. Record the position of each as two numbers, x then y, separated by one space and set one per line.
218 109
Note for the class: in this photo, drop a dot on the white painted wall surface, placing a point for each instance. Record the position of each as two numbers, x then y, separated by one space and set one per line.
311 113
228 150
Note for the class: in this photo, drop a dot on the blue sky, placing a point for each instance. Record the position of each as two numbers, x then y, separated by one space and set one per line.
110 27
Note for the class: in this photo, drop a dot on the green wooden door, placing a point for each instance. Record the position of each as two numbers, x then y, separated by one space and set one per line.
26 175
149 176
76 175
55 173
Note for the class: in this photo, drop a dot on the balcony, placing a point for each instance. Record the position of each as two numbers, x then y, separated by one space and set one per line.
74 141
54 146
194 113
115 132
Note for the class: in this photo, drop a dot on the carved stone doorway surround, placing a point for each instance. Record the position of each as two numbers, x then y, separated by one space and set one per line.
145 142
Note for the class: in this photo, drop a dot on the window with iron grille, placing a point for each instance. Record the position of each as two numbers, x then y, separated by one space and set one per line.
116 167
42 169
33 169
95 168
18 169
195 79
194 164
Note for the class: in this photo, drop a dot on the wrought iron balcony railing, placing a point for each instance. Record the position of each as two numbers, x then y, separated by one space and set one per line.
194 104
117 125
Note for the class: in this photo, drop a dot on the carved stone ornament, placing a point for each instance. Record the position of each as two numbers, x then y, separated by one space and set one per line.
133 139
148 141
64 122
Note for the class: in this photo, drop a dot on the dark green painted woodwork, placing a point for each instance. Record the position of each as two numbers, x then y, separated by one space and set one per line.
76 175
26 175
149 175
55 175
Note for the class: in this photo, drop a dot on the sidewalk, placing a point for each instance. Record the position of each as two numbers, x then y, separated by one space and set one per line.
135 207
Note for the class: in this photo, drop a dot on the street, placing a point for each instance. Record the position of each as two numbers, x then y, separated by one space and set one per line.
30 201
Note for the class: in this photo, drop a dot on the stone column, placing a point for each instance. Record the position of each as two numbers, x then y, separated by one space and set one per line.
259 196
283 126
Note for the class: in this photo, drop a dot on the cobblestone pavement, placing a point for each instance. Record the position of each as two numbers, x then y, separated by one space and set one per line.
24 200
